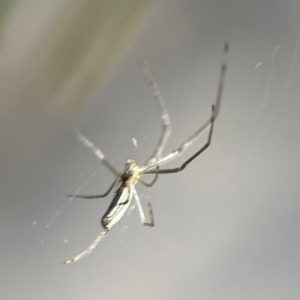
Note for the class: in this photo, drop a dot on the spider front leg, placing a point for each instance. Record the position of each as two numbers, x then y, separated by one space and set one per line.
182 167
141 212
165 118
208 124
88 144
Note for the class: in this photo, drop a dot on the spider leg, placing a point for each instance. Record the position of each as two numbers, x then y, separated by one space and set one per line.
153 180
141 212
95 196
176 153
222 80
89 249
182 167
165 118
88 144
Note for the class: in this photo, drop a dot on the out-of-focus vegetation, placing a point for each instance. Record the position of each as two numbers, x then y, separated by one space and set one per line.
52 55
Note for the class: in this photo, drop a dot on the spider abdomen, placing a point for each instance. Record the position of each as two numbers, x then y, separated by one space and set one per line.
117 207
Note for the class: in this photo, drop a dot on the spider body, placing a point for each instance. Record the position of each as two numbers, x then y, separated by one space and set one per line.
122 196
131 173
118 206
125 182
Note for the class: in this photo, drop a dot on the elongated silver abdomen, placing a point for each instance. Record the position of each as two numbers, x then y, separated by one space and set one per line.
118 206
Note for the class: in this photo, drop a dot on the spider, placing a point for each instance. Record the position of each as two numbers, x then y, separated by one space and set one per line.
125 182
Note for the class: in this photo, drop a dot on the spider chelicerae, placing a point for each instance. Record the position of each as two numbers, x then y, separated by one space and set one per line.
125 182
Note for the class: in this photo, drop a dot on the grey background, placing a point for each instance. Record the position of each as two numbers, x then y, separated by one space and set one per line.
228 226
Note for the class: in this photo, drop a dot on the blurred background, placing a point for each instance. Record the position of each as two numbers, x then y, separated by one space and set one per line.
228 226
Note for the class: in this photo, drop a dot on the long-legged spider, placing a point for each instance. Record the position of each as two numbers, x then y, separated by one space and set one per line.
125 182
